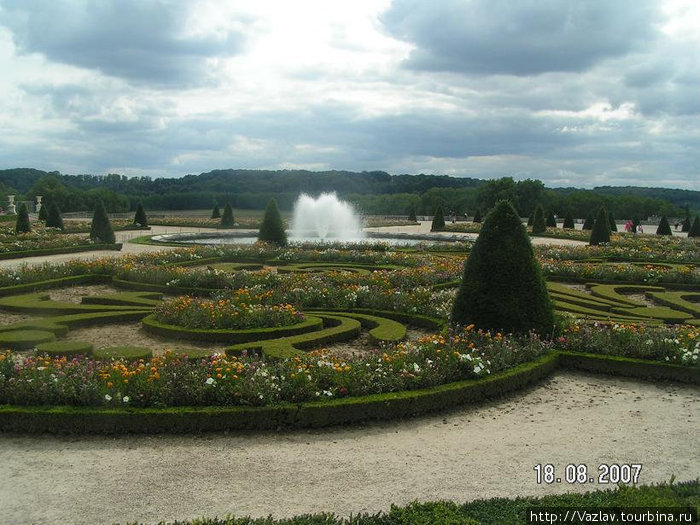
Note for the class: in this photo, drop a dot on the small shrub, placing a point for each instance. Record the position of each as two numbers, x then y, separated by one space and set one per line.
130 353
272 227
687 224
140 217
695 228
22 225
101 229
227 220
53 217
611 220
551 220
412 215
64 348
216 212
538 224
601 229
438 220
44 212
589 222
569 222
664 227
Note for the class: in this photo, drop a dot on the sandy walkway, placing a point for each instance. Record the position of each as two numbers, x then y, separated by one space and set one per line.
461 455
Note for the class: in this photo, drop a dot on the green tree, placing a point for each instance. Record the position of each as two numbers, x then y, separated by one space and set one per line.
611 221
227 220
569 222
54 218
502 286
664 227
589 222
216 212
538 224
101 229
140 217
44 211
272 226
438 220
551 220
687 224
412 214
22 224
477 215
695 228
601 229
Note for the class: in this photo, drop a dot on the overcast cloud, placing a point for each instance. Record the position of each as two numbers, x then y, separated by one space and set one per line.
575 93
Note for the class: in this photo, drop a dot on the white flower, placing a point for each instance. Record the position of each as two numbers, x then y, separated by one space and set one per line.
108 397
125 399
478 368
416 368
210 381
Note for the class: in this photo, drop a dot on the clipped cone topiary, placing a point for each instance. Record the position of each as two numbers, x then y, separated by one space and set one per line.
687 224
44 212
588 223
611 221
694 231
601 229
477 215
272 226
551 221
569 222
53 217
216 212
438 220
227 220
502 286
412 215
101 230
140 216
22 224
664 227
538 224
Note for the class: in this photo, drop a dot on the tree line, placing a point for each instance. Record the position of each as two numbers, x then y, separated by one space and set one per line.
373 192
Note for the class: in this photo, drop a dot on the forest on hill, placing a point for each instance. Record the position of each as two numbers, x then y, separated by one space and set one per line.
373 192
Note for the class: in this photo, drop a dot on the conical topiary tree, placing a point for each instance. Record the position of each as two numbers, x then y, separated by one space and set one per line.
588 223
502 286
664 227
22 224
412 214
227 220
101 230
53 217
140 217
601 229
272 226
438 220
216 212
569 222
551 221
611 221
687 224
43 212
695 228
538 224
477 216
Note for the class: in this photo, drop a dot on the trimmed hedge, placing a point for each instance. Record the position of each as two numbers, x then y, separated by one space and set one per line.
24 339
60 324
64 348
42 304
612 292
54 283
138 299
131 353
380 329
76 420
154 326
57 251
677 300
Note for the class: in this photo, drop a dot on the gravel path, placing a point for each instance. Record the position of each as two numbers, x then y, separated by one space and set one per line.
461 455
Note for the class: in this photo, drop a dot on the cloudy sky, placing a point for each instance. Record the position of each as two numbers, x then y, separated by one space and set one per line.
572 92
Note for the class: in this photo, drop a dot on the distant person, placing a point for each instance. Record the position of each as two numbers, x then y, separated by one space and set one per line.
641 230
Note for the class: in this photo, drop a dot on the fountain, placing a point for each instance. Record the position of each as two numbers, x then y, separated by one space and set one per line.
324 218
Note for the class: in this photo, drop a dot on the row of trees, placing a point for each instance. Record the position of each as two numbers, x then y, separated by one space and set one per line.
376 193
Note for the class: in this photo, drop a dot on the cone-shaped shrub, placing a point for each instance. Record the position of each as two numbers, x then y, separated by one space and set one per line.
227 218
531 218
502 287
477 215
53 217
438 220
22 224
588 223
601 229
101 230
551 221
687 224
569 222
611 221
140 216
694 231
44 212
412 215
664 227
216 212
272 227
538 224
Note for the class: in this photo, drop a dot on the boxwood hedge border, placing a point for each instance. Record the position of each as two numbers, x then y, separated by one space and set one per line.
58 251
351 410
